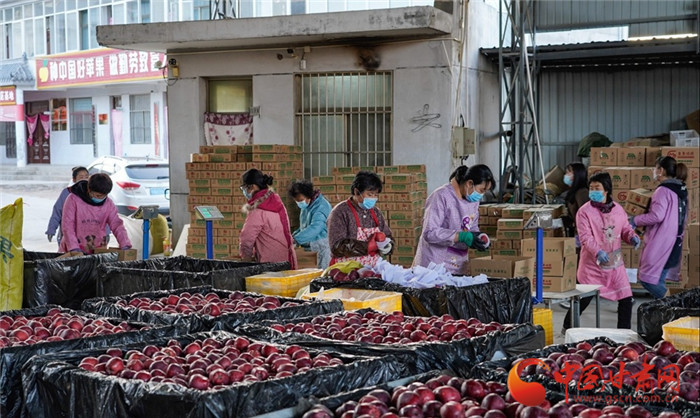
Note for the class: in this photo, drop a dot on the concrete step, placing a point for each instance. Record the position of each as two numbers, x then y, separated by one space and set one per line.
36 172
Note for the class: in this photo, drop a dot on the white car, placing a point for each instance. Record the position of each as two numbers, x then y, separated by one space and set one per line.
137 181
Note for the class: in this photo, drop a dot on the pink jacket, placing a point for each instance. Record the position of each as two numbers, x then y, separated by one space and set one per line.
603 231
262 238
83 225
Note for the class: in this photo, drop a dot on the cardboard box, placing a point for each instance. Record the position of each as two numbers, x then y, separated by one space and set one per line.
322 180
642 178
122 255
620 177
652 154
593 169
510 224
634 258
632 209
694 239
306 259
693 180
503 266
553 249
513 212
221 158
687 138
689 156
606 157
620 196
417 168
501 244
627 256
506 252
509 234
399 179
562 283
547 233
631 156
484 209
473 254
640 197
693 271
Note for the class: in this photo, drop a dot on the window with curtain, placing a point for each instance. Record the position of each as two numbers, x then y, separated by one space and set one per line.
81 121
140 118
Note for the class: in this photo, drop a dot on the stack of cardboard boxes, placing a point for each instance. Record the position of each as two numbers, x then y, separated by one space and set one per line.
214 176
630 168
402 201
693 240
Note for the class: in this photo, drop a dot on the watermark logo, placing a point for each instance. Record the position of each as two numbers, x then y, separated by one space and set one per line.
527 393
593 378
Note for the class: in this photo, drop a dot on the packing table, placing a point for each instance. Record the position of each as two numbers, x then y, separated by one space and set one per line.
574 297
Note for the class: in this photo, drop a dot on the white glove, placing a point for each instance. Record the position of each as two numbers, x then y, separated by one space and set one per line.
384 246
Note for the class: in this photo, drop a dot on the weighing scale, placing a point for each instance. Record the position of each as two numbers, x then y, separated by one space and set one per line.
209 214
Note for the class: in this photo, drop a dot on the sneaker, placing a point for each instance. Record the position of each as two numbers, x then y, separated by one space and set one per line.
566 305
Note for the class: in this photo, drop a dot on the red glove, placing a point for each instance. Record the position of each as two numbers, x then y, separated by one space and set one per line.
372 248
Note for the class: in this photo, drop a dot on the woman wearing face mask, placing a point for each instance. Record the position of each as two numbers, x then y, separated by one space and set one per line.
356 229
602 226
312 234
265 237
79 173
451 223
577 195
87 212
664 225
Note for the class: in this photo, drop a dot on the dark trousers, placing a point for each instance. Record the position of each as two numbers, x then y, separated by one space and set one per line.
624 312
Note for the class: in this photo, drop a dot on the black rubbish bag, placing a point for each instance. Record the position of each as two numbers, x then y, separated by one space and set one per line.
507 301
12 358
203 322
61 281
651 316
126 277
625 396
57 387
458 356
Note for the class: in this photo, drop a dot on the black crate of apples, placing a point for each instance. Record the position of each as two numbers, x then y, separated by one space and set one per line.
206 374
35 331
425 343
204 308
446 396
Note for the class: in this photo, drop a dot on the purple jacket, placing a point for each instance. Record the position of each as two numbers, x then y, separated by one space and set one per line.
55 220
446 214
661 224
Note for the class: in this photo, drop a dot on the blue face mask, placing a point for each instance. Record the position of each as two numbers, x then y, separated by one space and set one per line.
596 196
369 202
302 204
474 196
568 180
246 194
96 200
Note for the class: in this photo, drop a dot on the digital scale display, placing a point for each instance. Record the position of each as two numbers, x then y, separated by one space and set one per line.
208 213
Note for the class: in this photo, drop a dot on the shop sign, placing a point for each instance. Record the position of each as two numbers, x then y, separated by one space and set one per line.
7 96
97 66
13 113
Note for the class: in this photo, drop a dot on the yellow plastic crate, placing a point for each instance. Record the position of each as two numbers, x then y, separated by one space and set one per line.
683 333
281 283
359 299
543 317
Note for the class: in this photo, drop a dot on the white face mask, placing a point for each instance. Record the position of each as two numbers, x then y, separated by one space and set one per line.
654 174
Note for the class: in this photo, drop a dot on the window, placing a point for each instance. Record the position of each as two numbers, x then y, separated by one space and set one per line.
39 41
49 30
84 30
145 11
230 96
7 138
81 123
140 117
28 37
201 10
59 117
72 31
60 35
6 40
344 120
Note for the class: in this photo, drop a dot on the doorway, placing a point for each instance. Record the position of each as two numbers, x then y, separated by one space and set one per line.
38 145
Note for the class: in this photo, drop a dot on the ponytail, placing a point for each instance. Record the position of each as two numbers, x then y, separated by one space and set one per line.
681 172
256 177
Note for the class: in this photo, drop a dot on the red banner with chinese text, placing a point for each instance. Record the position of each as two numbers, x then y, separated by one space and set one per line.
96 66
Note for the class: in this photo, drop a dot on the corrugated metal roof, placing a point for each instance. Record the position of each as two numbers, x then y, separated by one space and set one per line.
653 52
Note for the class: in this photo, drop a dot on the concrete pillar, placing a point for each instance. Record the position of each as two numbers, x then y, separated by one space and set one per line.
20 131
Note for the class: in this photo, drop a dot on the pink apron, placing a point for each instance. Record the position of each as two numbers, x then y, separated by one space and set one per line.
363 234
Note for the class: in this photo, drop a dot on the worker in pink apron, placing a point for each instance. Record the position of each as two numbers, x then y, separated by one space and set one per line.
357 230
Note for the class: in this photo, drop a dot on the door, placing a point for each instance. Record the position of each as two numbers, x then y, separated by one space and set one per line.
39 148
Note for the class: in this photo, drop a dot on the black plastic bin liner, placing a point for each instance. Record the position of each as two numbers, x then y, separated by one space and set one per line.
168 273
12 358
498 371
63 281
57 387
651 316
508 301
459 356
202 322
